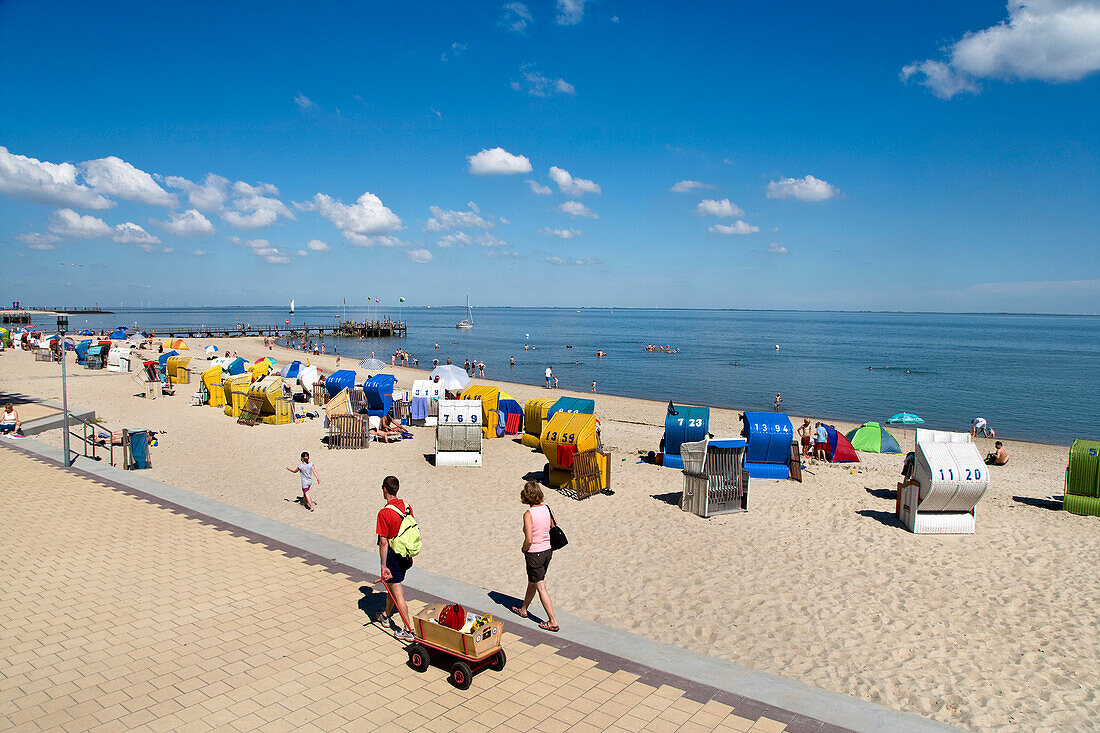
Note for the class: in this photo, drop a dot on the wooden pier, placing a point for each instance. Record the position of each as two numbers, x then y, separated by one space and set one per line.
350 329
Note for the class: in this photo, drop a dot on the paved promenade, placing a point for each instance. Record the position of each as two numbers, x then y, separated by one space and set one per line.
124 611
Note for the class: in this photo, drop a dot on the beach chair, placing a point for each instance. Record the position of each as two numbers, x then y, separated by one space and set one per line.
948 481
458 435
338 405
250 413
348 431
715 478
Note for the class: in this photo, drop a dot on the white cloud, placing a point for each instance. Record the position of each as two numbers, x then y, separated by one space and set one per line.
560 233
498 161
443 219
1048 40
576 208
777 249
570 186
420 256
68 223
500 254
130 233
165 250
360 222
688 186
462 239
803 189
301 253
317 245
452 52
198 252
515 17
304 103
46 183
738 227
723 208
35 240
189 223
539 85
456 239
382 240
539 189
570 12
211 195
583 261
263 249
114 176
256 206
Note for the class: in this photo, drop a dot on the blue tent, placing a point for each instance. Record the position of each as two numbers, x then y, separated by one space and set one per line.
379 393
163 358
86 332
290 371
118 335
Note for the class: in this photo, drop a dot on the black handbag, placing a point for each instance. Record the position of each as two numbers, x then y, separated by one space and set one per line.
558 539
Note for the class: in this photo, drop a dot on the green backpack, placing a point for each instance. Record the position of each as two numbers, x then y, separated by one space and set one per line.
407 541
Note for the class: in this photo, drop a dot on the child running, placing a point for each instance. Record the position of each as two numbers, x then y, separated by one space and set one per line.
308 472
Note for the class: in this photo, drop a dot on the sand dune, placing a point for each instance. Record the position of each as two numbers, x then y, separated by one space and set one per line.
816 582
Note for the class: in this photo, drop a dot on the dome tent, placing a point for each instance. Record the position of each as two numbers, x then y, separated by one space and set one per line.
873 438
838 449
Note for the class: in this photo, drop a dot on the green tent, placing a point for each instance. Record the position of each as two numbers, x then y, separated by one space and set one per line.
873 438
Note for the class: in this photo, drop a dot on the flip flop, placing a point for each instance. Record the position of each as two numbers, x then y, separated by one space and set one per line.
516 610
547 626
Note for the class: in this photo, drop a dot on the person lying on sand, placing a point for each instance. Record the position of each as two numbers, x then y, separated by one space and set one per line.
998 457
393 426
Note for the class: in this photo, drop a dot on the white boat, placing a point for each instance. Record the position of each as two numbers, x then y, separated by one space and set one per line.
291 307
468 321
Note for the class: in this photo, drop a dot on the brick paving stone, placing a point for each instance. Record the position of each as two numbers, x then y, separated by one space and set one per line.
122 612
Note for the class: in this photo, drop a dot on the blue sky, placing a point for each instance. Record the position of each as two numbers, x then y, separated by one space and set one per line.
911 156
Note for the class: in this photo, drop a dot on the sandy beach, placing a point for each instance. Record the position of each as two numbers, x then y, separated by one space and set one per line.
815 582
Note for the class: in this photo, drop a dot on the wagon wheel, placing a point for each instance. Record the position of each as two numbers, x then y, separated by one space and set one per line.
461 675
418 658
499 660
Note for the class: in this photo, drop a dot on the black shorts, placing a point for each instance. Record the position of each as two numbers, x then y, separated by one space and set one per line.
397 565
537 563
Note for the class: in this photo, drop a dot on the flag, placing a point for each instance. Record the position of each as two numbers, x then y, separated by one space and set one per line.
376 300
402 300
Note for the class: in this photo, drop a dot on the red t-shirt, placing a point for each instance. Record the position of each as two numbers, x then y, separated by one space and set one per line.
389 521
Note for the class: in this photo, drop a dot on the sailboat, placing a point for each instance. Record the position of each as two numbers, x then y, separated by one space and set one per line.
291 307
468 321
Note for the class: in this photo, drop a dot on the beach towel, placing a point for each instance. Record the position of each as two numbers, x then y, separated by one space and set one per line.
565 455
512 422
418 408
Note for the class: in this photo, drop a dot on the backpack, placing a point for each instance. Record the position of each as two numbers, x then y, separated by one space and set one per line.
407 541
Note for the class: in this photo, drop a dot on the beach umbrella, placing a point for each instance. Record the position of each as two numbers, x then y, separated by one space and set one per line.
905 418
211 349
451 377
373 365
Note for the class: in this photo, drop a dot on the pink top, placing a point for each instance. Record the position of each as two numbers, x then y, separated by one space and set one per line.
540 529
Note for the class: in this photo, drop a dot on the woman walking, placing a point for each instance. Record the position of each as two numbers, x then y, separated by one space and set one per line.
537 521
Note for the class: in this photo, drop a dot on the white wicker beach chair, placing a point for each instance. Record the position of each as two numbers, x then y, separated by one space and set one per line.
948 481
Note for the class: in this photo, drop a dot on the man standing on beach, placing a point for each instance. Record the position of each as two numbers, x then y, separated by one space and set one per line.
821 442
393 565
549 376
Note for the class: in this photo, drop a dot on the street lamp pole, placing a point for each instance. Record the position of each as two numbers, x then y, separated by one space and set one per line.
62 327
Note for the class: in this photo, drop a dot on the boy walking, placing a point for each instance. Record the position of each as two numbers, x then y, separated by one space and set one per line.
394 565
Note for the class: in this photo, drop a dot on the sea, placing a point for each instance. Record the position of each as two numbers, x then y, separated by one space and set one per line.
1033 377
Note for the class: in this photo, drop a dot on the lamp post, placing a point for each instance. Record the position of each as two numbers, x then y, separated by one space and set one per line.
62 327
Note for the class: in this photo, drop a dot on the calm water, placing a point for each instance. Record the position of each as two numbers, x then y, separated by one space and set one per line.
1032 377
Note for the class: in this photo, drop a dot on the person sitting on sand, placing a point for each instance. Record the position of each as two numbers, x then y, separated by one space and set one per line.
379 430
390 425
9 421
998 457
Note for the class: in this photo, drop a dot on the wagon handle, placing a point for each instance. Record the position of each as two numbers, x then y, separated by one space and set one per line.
408 626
